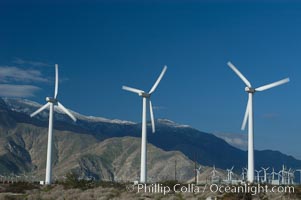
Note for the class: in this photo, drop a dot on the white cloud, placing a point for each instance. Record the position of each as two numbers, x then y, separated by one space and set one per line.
8 90
29 62
12 79
8 74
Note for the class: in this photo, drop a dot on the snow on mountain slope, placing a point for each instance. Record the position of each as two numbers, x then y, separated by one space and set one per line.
168 122
28 107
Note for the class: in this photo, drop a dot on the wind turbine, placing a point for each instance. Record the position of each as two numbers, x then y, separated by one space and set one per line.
146 97
243 173
258 172
230 173
198 170
51 103
213 172
265 174
273 174
291 176
249 115
283 175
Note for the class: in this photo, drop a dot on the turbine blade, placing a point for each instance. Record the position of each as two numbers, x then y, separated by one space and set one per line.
269 86
158 80
152 116
56 80
66 111
246 117
132 89
242 77
40 110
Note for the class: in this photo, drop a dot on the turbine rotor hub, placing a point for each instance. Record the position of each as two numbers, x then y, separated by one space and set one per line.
51 100
250 90
144 94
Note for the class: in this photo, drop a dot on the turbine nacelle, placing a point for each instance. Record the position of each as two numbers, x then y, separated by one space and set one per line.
144 94
250 90
51 100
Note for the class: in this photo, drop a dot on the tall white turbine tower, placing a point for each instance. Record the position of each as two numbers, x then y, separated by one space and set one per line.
51 103
249 115
146 97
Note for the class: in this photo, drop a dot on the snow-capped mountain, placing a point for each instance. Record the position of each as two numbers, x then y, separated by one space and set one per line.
28 107
206 148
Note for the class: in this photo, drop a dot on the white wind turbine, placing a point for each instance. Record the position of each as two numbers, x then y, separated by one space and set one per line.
51 103
213 172
243 173
291 176
198 173
258 175
249 115
283 175
273 174
230 173
265 174
146 96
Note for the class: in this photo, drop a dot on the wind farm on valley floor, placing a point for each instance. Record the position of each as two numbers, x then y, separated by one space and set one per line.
268 176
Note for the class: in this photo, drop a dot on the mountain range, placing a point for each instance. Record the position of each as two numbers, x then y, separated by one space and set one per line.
110 149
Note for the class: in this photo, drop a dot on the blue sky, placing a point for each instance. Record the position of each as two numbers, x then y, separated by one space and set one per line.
101 46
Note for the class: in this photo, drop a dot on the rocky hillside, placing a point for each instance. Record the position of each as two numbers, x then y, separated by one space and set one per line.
95 146
23 149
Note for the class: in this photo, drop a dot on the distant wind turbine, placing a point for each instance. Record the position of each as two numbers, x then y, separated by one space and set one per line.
258 172
146 97
230 173
273 174
249 115
265 174
198 170
51 102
